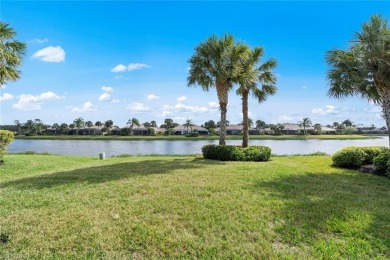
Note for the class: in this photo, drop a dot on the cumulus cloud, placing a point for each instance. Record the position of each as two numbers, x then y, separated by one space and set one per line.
152 97
325 111
87 106
130 67
114 100
39 41
6 96
213 104
181 99
164 114
185 108
105 97
30 102
107 89
119 68
50 54
285 119
137 108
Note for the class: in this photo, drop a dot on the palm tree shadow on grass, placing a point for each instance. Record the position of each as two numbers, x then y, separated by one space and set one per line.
106 173
344 207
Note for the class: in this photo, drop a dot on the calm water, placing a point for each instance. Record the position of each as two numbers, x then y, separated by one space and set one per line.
93 148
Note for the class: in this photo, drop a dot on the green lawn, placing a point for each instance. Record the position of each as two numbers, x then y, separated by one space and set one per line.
182 137
187 207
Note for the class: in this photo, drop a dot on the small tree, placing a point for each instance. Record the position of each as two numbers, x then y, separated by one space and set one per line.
306 122
6 138
317 128
89 124
132 122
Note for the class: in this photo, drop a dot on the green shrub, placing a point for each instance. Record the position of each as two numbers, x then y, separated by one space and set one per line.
381 160
372 152
6 138
349 157
192 134
236 153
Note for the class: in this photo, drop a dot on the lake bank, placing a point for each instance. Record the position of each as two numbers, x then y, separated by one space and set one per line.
188 207
201 137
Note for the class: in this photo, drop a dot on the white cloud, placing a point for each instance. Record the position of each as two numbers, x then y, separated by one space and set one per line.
164 114
137 108
152 97
136 66
325 111
114 100
107 89
119 68
185 108
285 119
50 54
6 96
87 106
39 41
30 102
181 99
105 97
213 104
167 107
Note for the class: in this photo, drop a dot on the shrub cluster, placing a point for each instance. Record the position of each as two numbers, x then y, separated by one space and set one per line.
192 134
354 156
6 138
236 153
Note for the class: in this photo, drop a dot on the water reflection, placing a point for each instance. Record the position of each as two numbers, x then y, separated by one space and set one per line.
93 148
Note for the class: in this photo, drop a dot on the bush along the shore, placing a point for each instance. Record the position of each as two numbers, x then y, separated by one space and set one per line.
236 153
354 157
6 138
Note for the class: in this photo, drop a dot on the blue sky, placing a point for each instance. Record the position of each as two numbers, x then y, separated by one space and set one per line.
124 59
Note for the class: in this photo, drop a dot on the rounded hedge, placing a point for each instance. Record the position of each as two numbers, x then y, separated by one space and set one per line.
236 153
381 161
355 156
6 138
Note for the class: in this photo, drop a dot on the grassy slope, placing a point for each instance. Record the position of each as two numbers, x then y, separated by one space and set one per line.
153 207
178 137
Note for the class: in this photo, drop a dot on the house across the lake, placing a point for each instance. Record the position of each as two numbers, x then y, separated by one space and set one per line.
183 130
237 130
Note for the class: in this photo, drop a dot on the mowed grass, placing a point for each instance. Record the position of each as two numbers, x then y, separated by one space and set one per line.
296 207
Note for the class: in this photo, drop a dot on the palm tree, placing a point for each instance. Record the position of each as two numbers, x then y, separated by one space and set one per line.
216 64
55 127
89 124
317 128
306 122
108 124
348 123
29 125
64 127
18 126
188 124
12 52
260 124
249 78
132 122
364 69
79 123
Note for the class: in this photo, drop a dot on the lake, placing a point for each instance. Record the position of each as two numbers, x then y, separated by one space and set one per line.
110 148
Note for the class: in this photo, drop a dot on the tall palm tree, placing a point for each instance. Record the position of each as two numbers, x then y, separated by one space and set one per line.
132 122
364 69
79 123
260 124
89 124
18 126
306 122
64 127
216 64
188 124
249 79
11 53
55 127
317 128
108 124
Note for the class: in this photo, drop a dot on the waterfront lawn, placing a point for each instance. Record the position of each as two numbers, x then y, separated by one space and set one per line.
201 137
187 207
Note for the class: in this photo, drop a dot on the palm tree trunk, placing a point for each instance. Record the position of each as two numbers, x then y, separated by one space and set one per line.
386 114
384 93
222 131
245 134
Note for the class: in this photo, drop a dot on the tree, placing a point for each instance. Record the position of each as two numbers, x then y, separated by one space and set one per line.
64 127
55 127
364 69
98 124
147 124
153 123
347 123
251 76
188 124
260 124
216 64
18 126
11 53
306 122
210 125
227 122
89 124
132 122
317 128
29 126
79 123
108 124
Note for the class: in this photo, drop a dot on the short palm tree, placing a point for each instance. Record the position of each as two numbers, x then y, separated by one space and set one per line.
11 53
317 128
89 124
79 123
216 63
188 124
98 124
55 127
364 69
249 80
306 122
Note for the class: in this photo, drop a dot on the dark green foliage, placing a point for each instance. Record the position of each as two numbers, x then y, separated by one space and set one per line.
236 153
372 152
151 131
192 134
381 161
6 138
349 157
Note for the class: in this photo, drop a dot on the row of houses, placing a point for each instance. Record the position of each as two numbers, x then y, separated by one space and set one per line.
288 129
